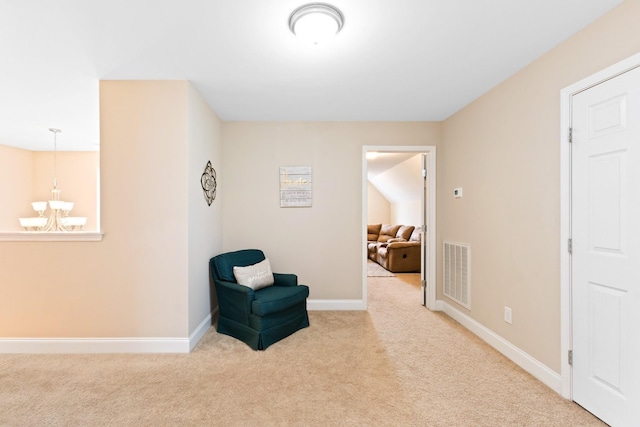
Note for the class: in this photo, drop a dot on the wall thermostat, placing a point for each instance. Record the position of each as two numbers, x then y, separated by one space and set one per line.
457 193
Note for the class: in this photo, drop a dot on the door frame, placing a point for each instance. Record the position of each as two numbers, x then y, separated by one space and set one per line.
566 99
430 211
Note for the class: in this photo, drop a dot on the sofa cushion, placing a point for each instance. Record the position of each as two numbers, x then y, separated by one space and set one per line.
415 236
256 276
278 298
396 239
404 232
373 231
388 232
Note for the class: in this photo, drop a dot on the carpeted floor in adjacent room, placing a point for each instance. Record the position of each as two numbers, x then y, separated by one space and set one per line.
396 364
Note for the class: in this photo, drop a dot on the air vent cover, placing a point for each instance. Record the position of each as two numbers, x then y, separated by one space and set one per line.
457 262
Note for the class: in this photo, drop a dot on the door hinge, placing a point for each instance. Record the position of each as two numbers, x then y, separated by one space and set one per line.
424 173
570 246
424 228
570 135
570 357
423 283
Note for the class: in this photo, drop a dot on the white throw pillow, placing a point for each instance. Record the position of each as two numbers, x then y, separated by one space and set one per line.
254 276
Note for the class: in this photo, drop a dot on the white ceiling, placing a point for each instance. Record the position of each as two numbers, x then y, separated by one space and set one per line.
395 60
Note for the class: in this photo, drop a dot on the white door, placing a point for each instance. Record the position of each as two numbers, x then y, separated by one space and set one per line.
605 224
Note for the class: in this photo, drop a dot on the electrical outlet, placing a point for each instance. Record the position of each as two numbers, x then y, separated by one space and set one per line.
507 314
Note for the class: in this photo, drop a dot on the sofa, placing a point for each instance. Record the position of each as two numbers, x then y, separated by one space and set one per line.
396 248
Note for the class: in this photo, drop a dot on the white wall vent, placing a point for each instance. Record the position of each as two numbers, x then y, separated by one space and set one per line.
457 263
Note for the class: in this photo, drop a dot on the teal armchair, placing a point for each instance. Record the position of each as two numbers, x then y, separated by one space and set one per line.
257 317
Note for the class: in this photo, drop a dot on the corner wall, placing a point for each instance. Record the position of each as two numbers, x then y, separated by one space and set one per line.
205 222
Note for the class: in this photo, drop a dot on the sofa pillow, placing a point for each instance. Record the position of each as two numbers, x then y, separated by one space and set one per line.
373 230
388 232
415 236
405 231
254 276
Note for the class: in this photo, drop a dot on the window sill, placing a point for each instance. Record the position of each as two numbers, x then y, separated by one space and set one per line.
38 236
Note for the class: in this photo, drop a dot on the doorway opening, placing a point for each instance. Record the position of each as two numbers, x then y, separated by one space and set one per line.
423 216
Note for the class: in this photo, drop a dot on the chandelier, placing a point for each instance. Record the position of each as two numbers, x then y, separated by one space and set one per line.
58 219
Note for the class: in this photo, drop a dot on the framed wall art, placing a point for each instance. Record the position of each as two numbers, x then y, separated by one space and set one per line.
295 186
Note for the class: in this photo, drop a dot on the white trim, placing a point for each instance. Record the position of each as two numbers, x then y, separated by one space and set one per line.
539 370
201 330
106 345
566 96
336 305
94 345
431 207
35 236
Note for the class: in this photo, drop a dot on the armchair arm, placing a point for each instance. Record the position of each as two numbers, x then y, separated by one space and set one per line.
234 301
398 245
280 279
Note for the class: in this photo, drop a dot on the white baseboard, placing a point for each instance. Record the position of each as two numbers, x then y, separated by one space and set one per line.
94 345
333 304
539 370
106 345
202 329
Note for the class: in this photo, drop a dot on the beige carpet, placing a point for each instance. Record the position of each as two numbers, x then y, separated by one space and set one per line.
376 270
395 365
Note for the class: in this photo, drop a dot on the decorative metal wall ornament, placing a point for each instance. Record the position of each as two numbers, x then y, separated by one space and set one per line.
209 184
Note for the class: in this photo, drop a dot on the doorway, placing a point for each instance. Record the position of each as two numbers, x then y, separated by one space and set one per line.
601 260
428 213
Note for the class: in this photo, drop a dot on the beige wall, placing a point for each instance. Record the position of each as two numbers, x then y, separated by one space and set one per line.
503 149
378 208
134 283
407 213
407 178
16 186
322 244
205 222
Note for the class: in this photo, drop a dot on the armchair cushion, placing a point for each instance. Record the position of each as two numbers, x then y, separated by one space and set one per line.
278 298
256 276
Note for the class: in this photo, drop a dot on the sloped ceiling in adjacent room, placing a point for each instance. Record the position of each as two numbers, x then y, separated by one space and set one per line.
400 182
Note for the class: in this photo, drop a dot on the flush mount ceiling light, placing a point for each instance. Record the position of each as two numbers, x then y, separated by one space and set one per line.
316 22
